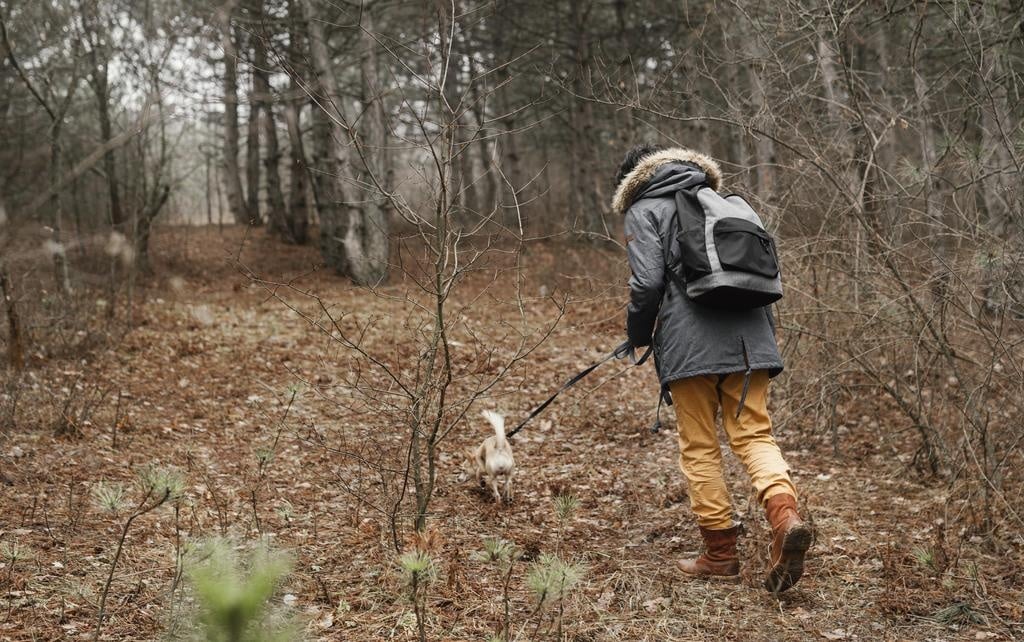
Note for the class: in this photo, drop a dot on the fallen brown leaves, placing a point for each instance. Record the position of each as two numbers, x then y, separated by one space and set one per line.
205 382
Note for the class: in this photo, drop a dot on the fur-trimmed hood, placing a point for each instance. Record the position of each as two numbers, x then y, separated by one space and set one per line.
631 185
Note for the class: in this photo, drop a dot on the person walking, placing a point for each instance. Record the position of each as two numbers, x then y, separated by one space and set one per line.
709 355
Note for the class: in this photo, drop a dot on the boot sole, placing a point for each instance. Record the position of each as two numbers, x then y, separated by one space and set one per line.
790 568
723 579
710 576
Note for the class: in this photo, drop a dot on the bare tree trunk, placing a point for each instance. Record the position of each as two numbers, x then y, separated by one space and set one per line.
506 155
586 184
99 80
297 215
232 178
491 187
15 339
275 198
932 185
209 200
297 221
263 104
60 262
144 225
367 238
252 149
764 147
997 130
830 84
327 136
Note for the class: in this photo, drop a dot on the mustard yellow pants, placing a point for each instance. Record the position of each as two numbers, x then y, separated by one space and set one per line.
697 401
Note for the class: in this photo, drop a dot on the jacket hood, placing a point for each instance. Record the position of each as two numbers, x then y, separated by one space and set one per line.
634 182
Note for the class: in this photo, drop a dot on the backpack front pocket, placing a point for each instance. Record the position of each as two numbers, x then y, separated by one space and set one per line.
743 246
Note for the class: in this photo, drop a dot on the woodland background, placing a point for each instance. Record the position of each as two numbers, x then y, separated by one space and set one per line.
264 261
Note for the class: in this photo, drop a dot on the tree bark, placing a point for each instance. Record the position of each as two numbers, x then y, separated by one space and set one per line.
144 225
263 104
488 194
99 80
328 133
252 139
60 261
15 339
367 239
297 221
764 147
997 129
506 149
586 187
232 178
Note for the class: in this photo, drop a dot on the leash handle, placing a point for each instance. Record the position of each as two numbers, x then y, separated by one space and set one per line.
622 351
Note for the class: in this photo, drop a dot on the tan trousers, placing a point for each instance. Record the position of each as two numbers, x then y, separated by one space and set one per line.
697 401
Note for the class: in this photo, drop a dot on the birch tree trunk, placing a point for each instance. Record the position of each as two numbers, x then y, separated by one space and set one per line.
332 211
367 237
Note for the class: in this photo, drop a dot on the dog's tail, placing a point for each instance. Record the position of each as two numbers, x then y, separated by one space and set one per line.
498 421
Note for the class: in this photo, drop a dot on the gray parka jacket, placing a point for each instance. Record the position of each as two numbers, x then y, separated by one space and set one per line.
689 339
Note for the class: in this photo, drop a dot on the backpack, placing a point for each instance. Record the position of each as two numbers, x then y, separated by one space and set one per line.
728 259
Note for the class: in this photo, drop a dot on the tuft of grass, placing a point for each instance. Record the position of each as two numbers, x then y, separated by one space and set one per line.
286 511
924 558
959 613
417 564
551 578
160 482
109 496
14 552
496 549
566 507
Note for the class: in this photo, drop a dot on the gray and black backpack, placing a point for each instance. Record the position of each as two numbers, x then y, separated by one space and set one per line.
728 259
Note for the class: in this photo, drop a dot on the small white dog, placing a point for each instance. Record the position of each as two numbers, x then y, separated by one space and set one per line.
493 460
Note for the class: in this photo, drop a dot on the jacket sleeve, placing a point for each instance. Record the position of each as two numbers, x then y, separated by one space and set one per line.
647 282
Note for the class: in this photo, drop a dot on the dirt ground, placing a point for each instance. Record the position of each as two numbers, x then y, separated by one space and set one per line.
203 384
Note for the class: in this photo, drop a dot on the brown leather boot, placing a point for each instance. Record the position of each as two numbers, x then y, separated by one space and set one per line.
791 538
719 558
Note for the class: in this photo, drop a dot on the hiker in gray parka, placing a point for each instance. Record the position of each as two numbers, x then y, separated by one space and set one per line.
710 355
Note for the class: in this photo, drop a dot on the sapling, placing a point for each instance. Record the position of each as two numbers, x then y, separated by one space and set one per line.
12 553
565 509
233 595
419 570
504 554
551 578
158 486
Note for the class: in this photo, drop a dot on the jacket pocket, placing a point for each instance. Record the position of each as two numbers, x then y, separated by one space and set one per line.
745 247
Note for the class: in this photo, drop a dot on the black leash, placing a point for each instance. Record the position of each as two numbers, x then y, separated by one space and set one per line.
624 350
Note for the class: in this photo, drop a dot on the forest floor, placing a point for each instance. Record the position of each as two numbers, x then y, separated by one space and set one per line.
229 385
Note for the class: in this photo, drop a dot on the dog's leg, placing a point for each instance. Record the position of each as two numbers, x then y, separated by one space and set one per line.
508 488
494 489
